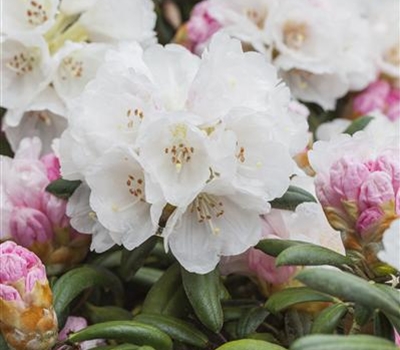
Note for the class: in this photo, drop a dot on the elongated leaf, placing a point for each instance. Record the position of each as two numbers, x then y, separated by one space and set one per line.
311 255
147 276
72 283
131 261
274 247
63 188
250 321
346 286
292 198
204 296
177 329
336 342
292 296
124 347
98 314
178 306
382 326
125 331
362 314
3 344
390 291
250 344
163 290
328 319
358 124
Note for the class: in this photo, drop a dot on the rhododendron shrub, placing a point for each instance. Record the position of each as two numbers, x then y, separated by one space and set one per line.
216 174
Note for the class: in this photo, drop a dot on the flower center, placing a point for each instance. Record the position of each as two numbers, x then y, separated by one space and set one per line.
135 187
258 17
207 208
71 67
392 55
180 152
294 34
24 62
36 13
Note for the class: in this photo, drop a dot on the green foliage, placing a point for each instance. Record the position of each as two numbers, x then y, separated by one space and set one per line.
292 198
358 124
62 188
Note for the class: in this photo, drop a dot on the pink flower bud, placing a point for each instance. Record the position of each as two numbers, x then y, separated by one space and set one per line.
347 175
201 25
55 210
393 104
396 338
376 190
390 164
325 193
27 318
52 164
373 98
28 225
368 218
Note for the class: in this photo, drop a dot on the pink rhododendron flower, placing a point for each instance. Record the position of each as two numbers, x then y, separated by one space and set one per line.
74 324
27 318
33 217
379 96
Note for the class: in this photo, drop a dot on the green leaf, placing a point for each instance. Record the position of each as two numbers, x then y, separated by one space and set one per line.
358 124
292 296
362 314
349 287
178 305
124 347
162 291
125 331
382 326
72 283
204 296
311 255
177 329
250 344
250 321
328 319
63 188
147 276
292 198
3 343
274 247
390 291
340 342
131 261
99 314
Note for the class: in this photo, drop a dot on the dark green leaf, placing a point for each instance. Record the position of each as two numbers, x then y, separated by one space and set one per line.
72 283
382 326
177 329
390 291
99 314
362 314
274 247
297 324
249 344
340 342
62 188
250 321
358 124
125 331
311 255
204 295
131 261
124 347
163 290
3 343
292 198
292 296
328 319
349 287
147 276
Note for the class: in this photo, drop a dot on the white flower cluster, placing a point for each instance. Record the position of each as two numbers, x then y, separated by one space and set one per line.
46 61
200 146
322 48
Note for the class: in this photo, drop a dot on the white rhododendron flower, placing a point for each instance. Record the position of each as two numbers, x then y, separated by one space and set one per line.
84 220
148 135
44 118
77 64
111 21
73 7
391 245
27 16
26 69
